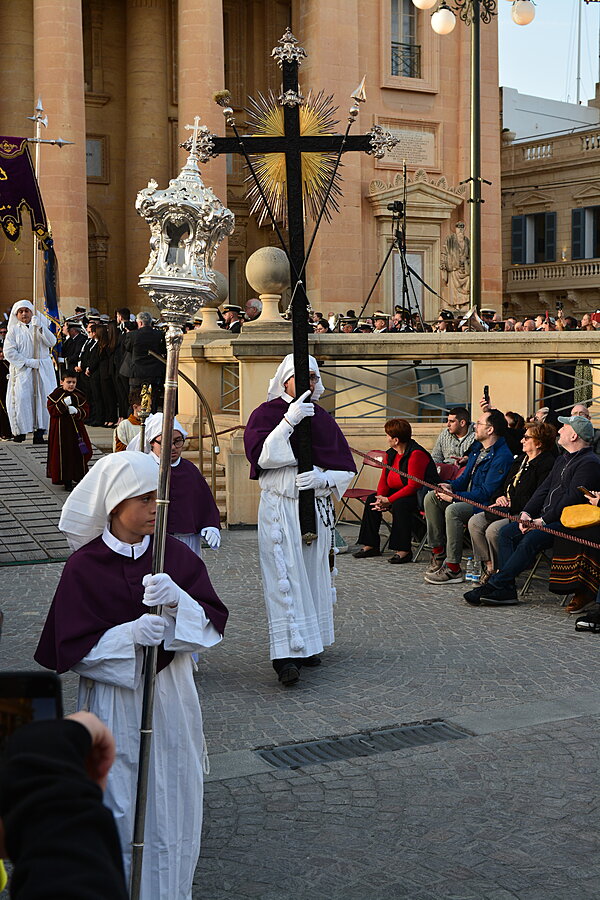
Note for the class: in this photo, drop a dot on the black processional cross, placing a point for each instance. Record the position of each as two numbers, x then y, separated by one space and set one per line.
293 144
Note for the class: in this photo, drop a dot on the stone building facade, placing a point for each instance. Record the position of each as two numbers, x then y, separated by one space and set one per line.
122 78
551 223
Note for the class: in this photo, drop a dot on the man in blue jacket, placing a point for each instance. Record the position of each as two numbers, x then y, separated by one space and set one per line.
488 462
520 542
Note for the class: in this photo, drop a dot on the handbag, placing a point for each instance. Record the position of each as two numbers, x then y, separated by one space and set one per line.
582 515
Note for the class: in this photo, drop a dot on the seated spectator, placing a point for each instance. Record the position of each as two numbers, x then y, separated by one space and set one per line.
528 325
348 324
455 439
396 493
381 322
488 462
524 477
580 409
520 542
586 323
322 327
575 568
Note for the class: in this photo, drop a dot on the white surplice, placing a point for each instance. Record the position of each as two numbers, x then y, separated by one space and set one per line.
111 686
298 585
22 379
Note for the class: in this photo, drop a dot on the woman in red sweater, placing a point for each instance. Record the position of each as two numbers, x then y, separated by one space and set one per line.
396 493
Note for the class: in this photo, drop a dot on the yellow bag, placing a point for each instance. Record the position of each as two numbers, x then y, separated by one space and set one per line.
583 515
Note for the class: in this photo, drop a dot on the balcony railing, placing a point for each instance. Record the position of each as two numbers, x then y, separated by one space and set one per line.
584 269
406 60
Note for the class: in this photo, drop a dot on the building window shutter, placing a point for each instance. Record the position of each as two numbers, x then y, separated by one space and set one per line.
550 237
518 240
577 233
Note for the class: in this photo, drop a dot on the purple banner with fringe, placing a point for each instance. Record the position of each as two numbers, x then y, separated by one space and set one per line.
19 190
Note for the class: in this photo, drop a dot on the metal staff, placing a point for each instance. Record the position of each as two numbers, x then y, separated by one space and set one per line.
188 223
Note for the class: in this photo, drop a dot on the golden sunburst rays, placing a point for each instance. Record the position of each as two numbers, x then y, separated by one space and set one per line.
317 118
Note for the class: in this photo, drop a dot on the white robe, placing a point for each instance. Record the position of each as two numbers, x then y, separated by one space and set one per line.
18 350
298 585
111 686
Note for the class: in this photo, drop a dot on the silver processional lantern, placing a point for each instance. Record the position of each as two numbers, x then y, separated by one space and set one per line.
187 223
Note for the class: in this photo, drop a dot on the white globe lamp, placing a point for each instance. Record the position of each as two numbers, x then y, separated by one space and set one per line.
424 4
523 12
444 20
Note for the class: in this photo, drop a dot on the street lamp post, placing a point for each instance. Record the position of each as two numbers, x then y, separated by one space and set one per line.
443 20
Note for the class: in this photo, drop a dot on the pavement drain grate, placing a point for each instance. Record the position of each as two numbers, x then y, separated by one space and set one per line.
367 743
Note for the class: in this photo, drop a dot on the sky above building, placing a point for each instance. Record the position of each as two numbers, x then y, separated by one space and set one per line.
541 58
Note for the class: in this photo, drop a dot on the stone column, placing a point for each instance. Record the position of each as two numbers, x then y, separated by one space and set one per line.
201 72
335 268
58 79
16 102
147 129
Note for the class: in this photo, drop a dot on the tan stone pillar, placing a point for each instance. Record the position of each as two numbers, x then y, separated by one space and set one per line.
335 267
147 129
16 102
58 79
201 72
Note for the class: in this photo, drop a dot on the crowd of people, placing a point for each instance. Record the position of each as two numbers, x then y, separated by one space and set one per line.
447 320
506 486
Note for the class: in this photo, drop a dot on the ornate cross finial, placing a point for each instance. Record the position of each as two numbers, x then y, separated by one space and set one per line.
289 50
194 139
200 145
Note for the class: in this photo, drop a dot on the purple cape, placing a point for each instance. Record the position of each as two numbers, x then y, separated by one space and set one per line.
330 448
191 503
99 589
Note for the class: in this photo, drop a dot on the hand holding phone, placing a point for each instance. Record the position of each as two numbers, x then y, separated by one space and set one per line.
586 492
486 393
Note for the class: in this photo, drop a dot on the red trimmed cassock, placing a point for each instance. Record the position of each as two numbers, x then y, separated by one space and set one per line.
67 437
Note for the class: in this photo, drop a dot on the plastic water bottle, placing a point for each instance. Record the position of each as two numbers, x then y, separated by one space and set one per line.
476 571
470 570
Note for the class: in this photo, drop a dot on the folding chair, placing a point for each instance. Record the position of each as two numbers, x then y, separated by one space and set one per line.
447 472
374 458
543 556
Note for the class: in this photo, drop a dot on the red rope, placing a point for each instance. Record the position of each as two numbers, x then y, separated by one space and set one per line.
569 537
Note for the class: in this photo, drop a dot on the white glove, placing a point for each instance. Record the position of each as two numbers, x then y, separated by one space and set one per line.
298 410
160 589
148 630
35 320
67 400
314 480
33 363
212 536
72 410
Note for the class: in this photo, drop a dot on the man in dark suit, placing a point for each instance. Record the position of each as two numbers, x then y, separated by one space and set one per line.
232 316
146 369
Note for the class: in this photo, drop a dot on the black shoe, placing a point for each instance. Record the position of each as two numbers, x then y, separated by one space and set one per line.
365 554
474 597
39 439
19 438
504 596
589 622
68 485
289 674
310 661
400 560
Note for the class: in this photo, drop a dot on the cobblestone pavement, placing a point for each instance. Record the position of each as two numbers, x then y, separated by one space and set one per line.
509 812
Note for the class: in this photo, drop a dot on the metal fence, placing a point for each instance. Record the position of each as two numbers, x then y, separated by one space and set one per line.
406 60
561 383
418 390
230 387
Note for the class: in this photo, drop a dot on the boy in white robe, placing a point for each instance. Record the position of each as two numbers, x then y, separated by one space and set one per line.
99 624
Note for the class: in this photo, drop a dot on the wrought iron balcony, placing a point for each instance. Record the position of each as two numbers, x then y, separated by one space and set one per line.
406 60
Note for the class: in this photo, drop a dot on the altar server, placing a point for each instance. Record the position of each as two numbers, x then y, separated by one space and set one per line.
297 579
98 625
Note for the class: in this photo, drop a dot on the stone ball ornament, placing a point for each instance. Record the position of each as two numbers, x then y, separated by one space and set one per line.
268 271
